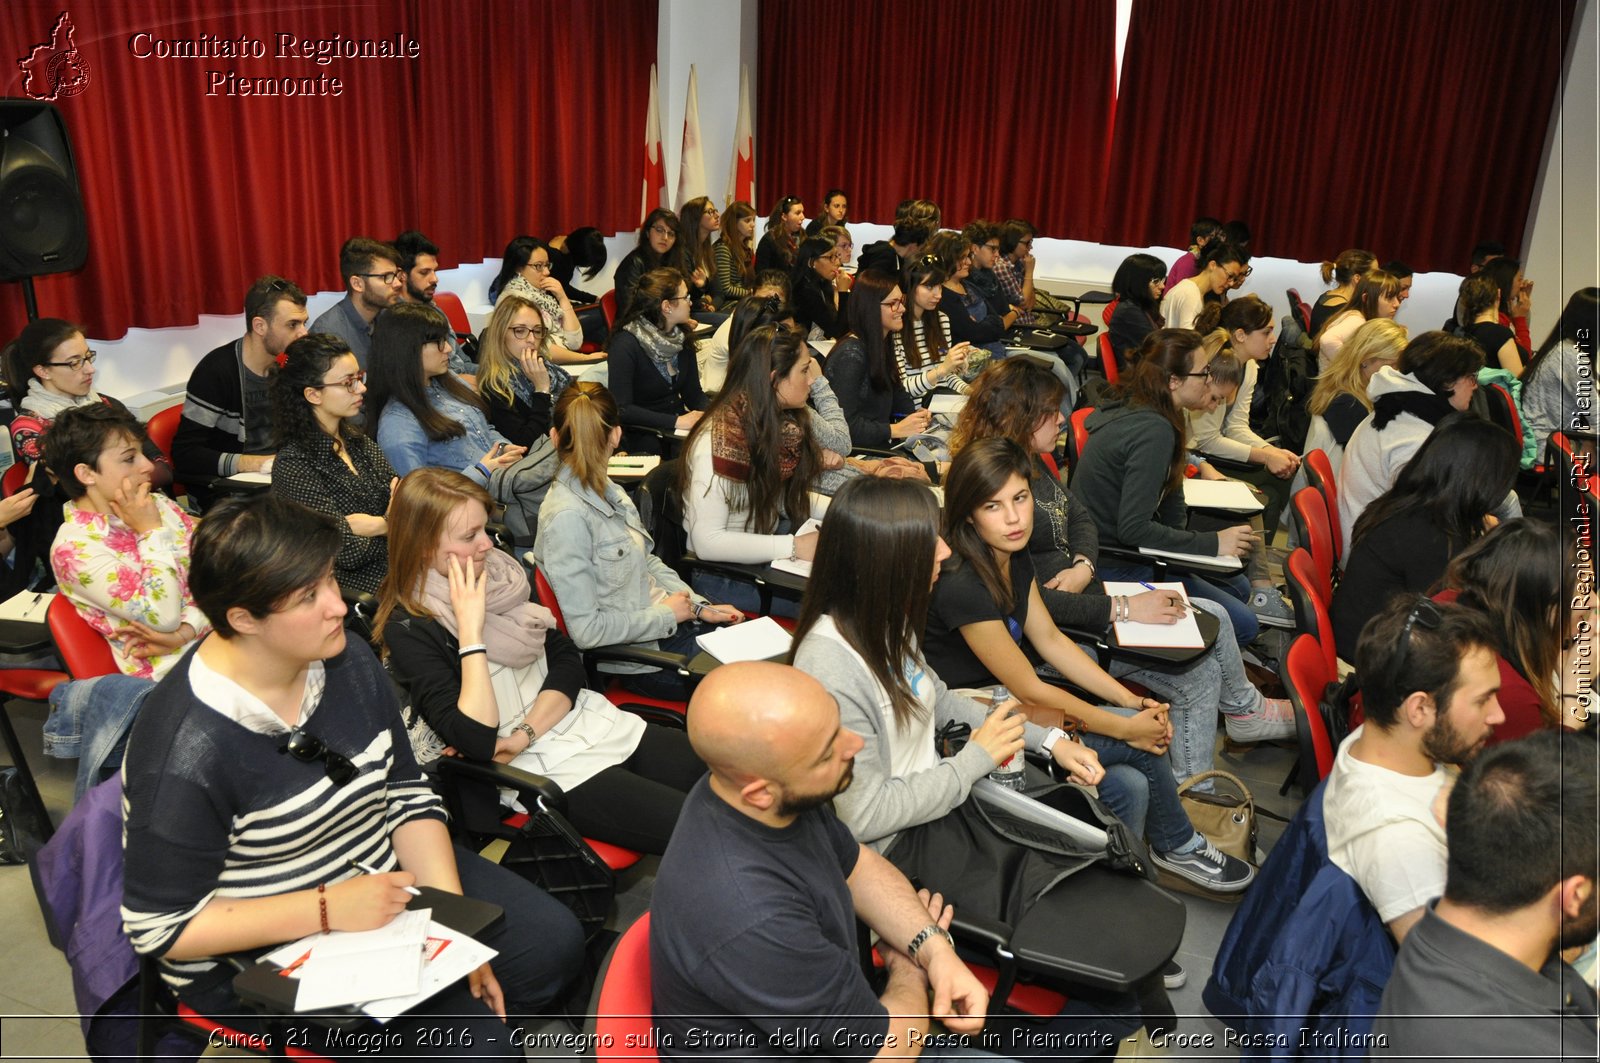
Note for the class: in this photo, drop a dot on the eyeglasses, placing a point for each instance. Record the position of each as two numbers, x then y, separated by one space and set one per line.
522 332
308 748
76 363
1425 612
661 230
388 277
995 247
894 304
542 267
349 383
1234 278
1204 374
675 298
1245 273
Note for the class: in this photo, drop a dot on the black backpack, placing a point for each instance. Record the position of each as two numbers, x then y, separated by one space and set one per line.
1283 389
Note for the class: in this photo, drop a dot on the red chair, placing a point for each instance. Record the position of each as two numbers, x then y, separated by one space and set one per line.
14 478
450 303
84 651
162 430
1050 463
1079 436
1319 473
1111 308
1311 522
1306 675
1311 609
1299 311
623 1007
1108 360
608 307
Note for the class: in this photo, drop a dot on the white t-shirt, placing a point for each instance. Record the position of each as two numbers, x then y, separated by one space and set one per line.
1382 831
1182 305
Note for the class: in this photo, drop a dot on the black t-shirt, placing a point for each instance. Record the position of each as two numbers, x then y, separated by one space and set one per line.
959 599
1343 416
1491 336
753 939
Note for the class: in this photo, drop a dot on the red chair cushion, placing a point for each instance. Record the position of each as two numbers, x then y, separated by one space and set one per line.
30 684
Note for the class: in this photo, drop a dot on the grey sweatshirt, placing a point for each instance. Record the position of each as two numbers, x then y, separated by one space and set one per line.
878 805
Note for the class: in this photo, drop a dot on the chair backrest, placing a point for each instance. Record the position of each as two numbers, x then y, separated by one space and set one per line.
1311 521
14 478
1306 675
1050 463
1111 308
1108 359
1319 471
1080 433
163 427
450 303
547 598
1503 410
608 307
1311 609
84 651
1300 311
623 1008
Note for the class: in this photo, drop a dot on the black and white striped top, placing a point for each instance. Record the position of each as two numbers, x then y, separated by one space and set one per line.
213 808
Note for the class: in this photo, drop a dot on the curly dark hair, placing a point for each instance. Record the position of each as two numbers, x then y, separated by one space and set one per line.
306 361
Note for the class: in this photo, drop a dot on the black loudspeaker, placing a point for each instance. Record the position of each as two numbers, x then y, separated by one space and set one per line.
42 226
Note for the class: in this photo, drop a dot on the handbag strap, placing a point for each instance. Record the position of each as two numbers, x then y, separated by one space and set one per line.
1249 799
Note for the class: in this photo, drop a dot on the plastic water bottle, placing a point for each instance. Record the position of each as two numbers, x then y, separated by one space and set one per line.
1008 774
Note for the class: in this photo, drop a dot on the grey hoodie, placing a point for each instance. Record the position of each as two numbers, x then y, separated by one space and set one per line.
1122 479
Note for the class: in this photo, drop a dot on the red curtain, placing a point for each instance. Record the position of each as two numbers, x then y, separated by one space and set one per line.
1412 129
504 123
989 109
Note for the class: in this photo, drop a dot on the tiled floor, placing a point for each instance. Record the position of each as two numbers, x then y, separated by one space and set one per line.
37 1016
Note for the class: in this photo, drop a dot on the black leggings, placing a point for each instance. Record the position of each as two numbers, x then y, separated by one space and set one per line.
635 804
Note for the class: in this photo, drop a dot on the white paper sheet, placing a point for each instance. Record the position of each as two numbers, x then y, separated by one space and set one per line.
1206 560
796 566
348 967
754 640
1184 635
27 605
1231 495
947 402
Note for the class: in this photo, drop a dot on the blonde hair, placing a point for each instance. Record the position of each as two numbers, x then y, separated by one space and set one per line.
496 367
1379 338
419 514
584 418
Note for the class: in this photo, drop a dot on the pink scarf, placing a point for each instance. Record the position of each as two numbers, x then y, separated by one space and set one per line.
513 627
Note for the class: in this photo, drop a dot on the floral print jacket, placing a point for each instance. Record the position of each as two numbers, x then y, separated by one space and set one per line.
113 575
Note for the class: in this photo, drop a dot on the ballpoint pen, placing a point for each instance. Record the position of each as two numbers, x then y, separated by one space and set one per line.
369 870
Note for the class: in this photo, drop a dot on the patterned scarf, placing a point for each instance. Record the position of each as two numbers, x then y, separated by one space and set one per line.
513 627
663 347
730 450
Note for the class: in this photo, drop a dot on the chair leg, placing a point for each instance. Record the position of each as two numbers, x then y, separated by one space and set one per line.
13 746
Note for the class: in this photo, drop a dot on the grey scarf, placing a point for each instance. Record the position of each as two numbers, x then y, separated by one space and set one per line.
663 347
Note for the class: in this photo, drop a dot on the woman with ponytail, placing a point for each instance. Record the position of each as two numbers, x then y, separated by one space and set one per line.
1344 273
1377 296
599 558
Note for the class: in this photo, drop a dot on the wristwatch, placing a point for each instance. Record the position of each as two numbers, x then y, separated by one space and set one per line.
526 728
922 938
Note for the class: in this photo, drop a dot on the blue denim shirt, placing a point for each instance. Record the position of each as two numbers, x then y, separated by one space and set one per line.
90 720
589 549
408 447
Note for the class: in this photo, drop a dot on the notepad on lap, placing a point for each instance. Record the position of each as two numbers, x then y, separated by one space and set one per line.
946 402
1220 494
1206 560
754 640
1184 635
794 564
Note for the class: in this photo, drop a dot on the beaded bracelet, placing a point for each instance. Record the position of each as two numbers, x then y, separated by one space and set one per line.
322 905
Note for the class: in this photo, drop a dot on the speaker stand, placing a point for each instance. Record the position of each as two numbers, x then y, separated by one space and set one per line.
30 300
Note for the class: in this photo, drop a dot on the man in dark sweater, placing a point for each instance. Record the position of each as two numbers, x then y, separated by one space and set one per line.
752 936
1481 976
891 256
372 280
227 414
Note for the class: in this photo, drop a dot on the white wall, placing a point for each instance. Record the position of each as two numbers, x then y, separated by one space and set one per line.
1563 243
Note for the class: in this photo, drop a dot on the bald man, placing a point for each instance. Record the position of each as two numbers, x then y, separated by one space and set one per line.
753 920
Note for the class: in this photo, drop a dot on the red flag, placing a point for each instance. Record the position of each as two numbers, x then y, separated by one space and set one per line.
655 168
742 169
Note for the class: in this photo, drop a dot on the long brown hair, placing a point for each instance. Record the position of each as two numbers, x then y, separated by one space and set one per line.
584 418
871 574
733 236
927 350
1164 354
979 471
419 513
1008 400
764 357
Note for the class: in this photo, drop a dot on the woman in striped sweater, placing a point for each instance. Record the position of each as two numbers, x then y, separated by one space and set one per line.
232 848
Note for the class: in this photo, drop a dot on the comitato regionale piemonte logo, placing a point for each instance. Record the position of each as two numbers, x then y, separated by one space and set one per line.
55 69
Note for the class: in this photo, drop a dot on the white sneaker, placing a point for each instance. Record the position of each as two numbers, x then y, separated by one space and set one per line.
1273 722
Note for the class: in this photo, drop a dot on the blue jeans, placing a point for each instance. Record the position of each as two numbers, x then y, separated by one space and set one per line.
1231 592
743 596
1166 824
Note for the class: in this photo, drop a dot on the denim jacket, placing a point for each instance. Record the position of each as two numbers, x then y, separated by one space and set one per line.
408 447
90 719
589 548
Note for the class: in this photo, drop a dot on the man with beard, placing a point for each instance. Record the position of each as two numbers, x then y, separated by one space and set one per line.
372 282
1428 682
753 947
1481 975
419 266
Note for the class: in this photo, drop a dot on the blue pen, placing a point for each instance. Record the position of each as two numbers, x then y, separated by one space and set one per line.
1152 587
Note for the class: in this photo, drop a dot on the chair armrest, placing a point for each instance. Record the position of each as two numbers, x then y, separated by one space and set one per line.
639 655
530 787
975 930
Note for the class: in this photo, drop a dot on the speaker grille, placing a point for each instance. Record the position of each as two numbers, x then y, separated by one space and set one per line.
39 215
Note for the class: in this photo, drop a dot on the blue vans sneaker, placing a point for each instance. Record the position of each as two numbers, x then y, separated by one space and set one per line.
1208 867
